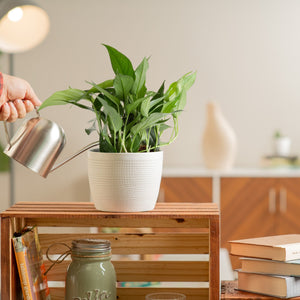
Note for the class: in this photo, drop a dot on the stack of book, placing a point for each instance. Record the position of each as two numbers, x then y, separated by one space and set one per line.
277 161
270 265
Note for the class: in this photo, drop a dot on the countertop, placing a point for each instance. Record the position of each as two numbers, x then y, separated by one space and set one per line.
235 172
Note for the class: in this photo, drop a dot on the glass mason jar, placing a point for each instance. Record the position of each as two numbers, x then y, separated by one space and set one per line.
91 275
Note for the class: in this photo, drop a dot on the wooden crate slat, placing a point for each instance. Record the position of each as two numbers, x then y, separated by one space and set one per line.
139 293
138 243
46 205
182 271
91 207
68 213
161 209
159 205
116 222
214 246
189 271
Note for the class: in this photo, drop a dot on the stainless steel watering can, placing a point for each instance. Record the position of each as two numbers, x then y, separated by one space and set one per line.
37 144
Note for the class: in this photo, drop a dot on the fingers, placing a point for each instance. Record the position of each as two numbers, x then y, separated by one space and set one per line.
4 112
28 106
11 111
20 107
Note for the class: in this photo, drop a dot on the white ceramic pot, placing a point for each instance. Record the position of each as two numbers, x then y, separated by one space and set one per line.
124 182
282 146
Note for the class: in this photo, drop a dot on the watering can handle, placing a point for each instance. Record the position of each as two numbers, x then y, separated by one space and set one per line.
89 146
7 132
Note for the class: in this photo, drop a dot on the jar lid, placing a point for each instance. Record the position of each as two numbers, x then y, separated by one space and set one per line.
90 245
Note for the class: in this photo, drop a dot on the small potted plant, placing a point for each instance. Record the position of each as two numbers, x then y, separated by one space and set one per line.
282 144
125 170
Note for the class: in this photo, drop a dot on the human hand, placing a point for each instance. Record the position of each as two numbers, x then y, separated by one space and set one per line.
17 98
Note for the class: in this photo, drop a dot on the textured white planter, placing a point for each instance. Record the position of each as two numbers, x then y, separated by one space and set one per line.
124 182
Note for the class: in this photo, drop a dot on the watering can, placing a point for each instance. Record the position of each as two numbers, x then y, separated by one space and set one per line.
37 144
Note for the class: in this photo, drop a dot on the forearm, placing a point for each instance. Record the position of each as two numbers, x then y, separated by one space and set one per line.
1 83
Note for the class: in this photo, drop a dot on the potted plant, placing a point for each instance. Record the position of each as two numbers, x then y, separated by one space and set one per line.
125 170
282 144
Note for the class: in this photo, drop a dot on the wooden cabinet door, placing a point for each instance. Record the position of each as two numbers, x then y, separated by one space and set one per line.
288 205
185 189
248 208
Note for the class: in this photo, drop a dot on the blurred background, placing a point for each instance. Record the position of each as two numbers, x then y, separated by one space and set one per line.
246 54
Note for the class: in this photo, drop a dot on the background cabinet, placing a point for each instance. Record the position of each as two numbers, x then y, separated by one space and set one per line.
253 207
185 189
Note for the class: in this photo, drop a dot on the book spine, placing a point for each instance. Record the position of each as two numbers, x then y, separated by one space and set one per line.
45 282
23 272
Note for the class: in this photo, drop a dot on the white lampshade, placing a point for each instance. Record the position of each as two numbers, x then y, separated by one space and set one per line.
23 25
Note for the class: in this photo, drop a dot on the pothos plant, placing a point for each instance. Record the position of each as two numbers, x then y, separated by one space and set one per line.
128 116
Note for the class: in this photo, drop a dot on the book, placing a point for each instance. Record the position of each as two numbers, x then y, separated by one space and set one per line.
270 285
278 247
277 161
30 265
275 267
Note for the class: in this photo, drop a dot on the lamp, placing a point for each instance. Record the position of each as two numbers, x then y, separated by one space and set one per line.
23 25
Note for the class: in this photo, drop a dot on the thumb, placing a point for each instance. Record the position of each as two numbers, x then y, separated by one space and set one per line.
32 97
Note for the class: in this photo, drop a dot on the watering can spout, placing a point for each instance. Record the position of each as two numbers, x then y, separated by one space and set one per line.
37 144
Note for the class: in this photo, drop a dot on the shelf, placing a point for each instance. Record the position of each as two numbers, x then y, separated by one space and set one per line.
142 237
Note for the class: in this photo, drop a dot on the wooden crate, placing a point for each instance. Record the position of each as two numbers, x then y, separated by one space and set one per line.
56 218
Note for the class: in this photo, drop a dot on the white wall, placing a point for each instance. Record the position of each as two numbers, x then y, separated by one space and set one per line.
246 54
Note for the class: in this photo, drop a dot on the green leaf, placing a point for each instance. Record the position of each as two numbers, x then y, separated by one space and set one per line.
154 137
189 80
139 88
105 84
63 97
160 92
123 84
133 106
156 104
111 97
4 161
177 90
169 107
148 122
115 118
133 145
92 127
105 145
145 107
157 101
81 105
119 62
163 127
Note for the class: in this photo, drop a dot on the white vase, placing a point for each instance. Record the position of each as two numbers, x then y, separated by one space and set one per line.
219 143
124 182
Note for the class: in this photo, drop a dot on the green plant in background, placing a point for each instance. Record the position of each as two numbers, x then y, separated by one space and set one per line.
277 134
128 117
4 161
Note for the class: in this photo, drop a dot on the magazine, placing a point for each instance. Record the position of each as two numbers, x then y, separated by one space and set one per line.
30 265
